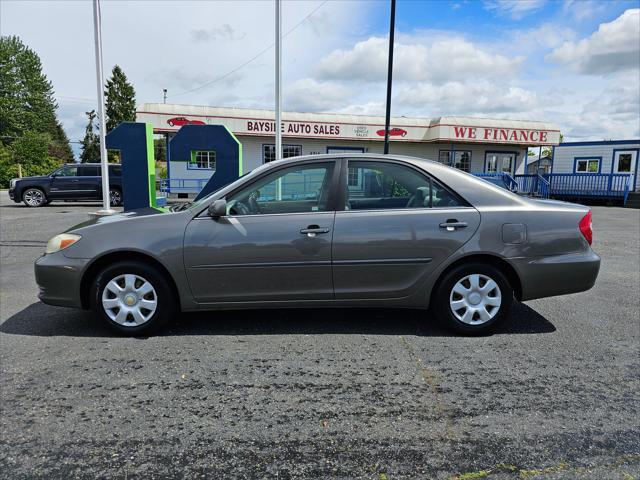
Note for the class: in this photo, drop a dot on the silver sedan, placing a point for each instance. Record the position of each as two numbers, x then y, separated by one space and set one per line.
326 231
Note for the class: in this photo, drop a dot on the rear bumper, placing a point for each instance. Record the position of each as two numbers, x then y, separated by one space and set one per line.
557 275
59 279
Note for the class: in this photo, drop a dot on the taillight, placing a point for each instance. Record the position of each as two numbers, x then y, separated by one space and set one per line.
585 227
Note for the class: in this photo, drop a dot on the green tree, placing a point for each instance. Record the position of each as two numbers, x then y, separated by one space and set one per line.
91 141
31 151
26 98
120 99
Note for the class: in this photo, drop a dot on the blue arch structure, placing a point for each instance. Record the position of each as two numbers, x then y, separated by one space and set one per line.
191 138
134 140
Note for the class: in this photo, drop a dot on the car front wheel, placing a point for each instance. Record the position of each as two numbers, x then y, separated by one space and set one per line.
473 298
132 298
34 197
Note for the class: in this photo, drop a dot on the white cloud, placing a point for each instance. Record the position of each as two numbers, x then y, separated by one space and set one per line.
615 46
481 97
516 9
438 61
223 32
583 9
309 95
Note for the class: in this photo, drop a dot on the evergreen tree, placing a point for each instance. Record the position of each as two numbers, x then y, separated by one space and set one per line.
91 141
120 99
26 100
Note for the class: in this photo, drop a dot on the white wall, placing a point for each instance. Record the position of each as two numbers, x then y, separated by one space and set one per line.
565 154
252 150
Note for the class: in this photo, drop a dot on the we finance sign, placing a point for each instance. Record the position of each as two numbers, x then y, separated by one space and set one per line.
505 135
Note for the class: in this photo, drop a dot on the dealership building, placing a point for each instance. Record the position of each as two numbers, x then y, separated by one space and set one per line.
476 145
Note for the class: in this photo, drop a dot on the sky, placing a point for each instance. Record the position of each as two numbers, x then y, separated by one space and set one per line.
575 63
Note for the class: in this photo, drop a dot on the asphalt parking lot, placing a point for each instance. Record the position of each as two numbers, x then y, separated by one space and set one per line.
377 394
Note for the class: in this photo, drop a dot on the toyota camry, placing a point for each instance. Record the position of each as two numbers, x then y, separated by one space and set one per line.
327 231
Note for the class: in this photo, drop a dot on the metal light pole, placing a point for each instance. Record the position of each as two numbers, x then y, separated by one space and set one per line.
97 33
278 79
164 95
392 28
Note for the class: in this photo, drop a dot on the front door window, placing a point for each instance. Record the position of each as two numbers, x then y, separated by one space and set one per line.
290 190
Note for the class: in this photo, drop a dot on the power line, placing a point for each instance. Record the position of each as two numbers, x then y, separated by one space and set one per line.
211 82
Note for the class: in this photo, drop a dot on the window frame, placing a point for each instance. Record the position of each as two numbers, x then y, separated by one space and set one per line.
577 160
515 154
287 145
456 151
193 162
56 174
331 197
343 194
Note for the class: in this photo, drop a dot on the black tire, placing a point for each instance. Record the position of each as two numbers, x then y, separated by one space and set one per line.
34 197
443 294
115 197
164 296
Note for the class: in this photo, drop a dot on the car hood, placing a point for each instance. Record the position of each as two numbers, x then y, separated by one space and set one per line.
38 177
131 215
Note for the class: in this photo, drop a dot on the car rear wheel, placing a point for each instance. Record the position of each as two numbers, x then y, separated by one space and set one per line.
34 197
115 197
473 298
132 298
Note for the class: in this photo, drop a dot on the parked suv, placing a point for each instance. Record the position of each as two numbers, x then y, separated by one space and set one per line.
74 181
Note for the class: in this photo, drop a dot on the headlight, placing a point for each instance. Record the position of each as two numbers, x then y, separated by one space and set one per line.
12 182
60 242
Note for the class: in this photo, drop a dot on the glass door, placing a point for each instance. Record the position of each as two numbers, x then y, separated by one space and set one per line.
624 161
500 162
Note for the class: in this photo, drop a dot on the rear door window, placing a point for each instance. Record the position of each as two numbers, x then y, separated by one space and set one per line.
384 186
88 171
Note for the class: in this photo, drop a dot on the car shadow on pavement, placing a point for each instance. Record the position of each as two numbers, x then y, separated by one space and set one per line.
39 319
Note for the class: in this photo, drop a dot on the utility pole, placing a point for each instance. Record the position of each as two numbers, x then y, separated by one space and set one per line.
97 33
392 27
278 79
164 95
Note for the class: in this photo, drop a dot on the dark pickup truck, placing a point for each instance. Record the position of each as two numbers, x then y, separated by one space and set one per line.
74 181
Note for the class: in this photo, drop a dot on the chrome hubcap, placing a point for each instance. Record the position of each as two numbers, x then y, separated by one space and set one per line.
129 300
475 299
114 197
33 197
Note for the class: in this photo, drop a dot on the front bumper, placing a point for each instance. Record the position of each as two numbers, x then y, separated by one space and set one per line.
557 275
59 279
12 194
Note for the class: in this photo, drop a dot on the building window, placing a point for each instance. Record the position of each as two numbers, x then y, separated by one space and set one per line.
288 151
499 162
353 177
462 159
624 163
587 165
203 159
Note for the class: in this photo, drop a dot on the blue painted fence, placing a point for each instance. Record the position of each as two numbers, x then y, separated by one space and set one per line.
568 185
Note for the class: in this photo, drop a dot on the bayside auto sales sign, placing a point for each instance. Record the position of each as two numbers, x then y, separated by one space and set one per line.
295 128
442 132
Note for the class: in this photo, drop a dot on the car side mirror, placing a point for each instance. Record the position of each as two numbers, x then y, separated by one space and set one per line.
218 208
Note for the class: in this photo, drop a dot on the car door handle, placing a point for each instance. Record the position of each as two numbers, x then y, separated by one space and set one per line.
452 225
313 230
